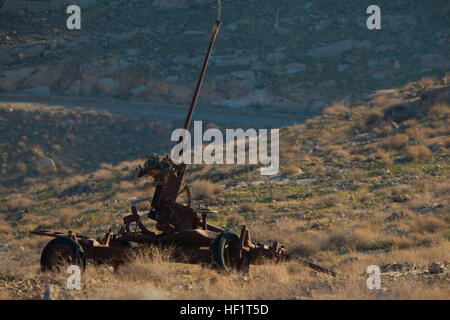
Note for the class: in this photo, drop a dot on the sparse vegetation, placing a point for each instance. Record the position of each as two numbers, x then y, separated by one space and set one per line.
367 194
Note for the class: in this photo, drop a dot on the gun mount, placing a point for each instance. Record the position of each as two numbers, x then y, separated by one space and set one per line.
181 226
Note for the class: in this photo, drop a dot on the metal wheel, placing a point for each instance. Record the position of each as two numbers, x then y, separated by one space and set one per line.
60 252
227 252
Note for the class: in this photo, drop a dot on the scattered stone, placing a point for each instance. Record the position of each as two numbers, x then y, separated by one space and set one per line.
402 198
436 268
334 49
45 166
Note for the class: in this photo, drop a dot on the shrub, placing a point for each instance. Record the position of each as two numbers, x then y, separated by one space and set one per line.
65 215
335 109
395 142
374 118
290 170
418 153
418 134
205 189
336 152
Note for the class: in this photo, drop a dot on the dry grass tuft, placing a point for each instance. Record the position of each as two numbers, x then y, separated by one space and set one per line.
439 111
335 109
102 174
205 189
65 215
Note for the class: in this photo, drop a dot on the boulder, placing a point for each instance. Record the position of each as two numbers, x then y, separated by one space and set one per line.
44 76
334 49
45 166
11 78
434 61
295 67
436 268
107 85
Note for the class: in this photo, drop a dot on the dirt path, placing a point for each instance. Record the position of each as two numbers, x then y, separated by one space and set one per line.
160 110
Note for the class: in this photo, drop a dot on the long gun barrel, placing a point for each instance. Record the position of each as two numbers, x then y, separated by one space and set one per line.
174 183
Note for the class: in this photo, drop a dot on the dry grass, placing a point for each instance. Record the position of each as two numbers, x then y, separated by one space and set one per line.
66 215
102 174
335 109
439 111
290 169
336 153
205 189
18 202
151 275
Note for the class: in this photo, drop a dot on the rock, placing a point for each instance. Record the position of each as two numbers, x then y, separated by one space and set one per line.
45 166
436 268
193 33
293 68
173 4
44 76
434 61
13 6
39 91
126 36
11 78
129 79
139 90
402 198
275 57
248 76
74 89
85 88
342 67
379 76
224 61
232 27
334 49
396 216
107 85
172 79
178 4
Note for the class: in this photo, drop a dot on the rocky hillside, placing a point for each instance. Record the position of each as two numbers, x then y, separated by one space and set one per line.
366 183
293 56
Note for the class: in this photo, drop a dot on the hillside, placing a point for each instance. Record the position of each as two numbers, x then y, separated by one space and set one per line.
366 182
311 54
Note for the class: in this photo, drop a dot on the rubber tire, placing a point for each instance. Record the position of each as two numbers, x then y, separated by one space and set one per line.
76 248
218 250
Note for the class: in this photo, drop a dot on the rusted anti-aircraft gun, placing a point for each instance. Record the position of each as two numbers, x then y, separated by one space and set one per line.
182 227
